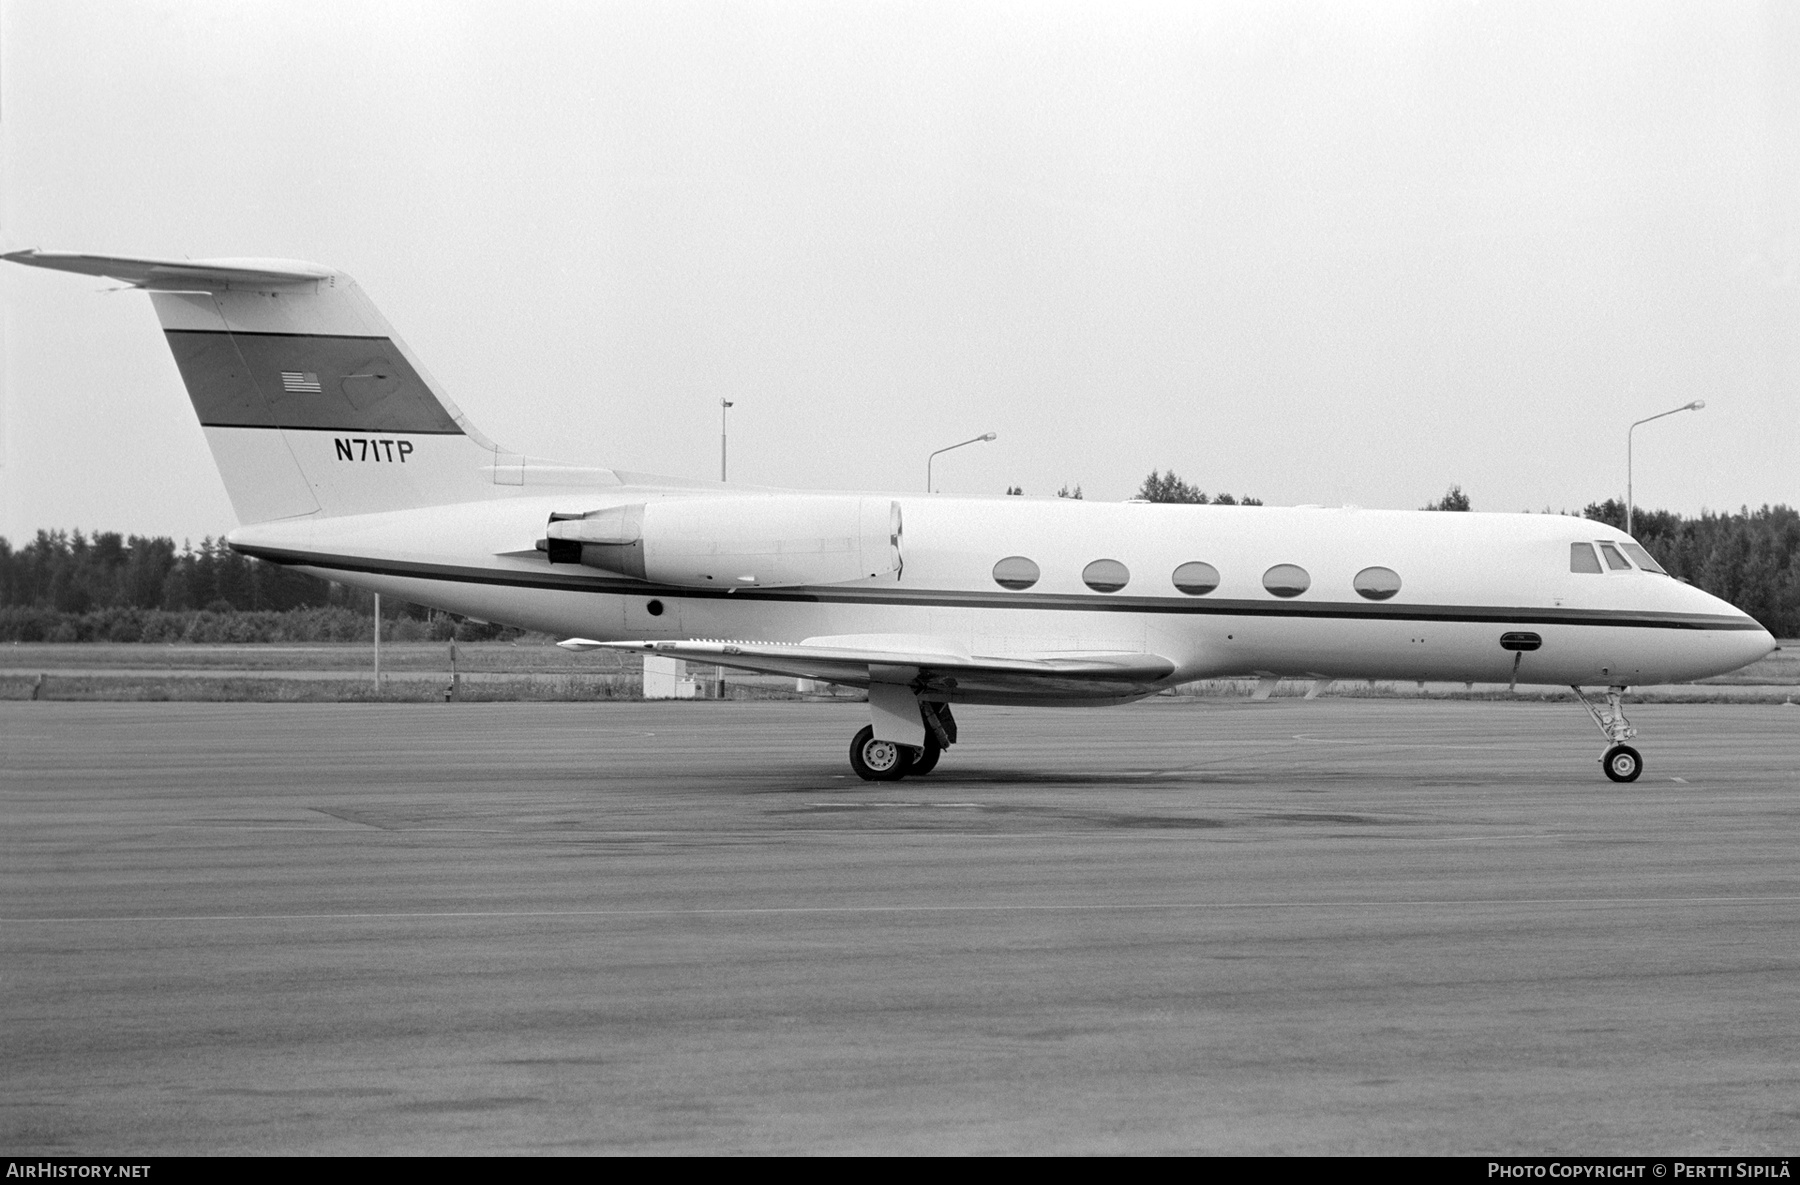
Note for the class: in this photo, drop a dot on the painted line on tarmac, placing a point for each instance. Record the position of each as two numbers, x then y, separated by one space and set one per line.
345 828
1380 743
783 910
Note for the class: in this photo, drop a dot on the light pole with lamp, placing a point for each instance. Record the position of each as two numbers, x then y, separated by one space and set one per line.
1696 405
947 448
724 406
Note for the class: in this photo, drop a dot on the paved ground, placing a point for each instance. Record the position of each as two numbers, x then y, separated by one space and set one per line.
1328 926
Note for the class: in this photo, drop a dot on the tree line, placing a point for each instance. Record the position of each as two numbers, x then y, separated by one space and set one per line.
65 586
74 573
1169 488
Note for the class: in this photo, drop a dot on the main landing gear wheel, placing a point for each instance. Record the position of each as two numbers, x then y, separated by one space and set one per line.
879 761
1622 763
925 760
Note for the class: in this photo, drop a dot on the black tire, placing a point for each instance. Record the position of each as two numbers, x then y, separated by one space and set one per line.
1622 763
878 761
925 760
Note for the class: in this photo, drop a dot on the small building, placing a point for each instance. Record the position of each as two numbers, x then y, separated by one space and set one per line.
667 678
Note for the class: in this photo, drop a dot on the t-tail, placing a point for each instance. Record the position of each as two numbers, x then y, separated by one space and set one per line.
312 405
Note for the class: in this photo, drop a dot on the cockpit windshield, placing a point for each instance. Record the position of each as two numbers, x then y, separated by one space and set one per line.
1637 553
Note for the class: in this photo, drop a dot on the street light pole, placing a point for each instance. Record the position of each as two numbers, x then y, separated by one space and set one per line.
1696 405
947 448
724 406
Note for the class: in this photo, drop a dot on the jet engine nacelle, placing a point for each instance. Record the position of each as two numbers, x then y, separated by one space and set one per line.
746 540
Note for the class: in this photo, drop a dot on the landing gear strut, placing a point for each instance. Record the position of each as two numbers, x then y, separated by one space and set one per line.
888 761
1621 762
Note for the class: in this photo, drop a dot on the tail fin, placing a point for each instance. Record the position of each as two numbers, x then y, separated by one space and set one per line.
310 402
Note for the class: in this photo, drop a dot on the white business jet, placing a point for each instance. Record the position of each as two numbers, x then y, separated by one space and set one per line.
345 459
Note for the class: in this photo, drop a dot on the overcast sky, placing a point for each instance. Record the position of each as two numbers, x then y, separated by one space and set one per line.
1315 252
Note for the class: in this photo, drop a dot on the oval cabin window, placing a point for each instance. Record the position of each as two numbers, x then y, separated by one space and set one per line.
1015 572
1196 579
1287 580
1105 576
1378 584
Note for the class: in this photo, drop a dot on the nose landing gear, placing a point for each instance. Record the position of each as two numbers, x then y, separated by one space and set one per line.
1621 762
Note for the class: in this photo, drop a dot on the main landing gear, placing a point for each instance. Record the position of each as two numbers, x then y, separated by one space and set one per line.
1621 762
889 761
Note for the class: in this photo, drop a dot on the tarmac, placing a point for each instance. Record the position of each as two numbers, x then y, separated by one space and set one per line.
1328 926
538 670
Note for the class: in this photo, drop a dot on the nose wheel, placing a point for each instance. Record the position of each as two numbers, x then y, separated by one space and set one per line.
1621 762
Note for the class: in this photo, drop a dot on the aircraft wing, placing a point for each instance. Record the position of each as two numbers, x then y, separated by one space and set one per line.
930 664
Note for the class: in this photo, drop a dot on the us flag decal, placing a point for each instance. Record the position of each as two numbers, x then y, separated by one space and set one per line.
298 380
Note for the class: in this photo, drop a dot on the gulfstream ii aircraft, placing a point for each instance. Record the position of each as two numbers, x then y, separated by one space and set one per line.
343 458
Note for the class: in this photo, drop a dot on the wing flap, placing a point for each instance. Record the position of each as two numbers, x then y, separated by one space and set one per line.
932 664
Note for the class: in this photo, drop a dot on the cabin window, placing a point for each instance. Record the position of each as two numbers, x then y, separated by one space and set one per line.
1015 572
1196 579
1614 560
1582 558
1377 584
1105 576
1636 551
1287 580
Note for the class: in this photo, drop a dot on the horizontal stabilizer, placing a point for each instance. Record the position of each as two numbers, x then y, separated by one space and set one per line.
202 275
932 665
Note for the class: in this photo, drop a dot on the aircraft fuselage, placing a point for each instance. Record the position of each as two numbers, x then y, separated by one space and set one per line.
1465 583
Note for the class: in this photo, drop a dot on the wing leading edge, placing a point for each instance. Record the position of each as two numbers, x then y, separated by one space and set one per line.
930 665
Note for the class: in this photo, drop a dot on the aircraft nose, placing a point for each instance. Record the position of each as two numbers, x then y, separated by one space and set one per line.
1740 646
1755 645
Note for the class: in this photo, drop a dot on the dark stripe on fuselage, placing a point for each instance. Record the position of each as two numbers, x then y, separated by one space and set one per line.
364 383
1061 602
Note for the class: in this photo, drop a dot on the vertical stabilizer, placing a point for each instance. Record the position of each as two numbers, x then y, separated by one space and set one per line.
310 402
